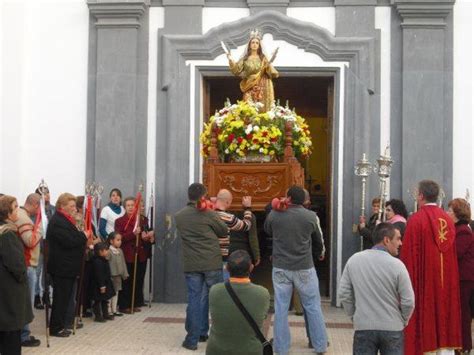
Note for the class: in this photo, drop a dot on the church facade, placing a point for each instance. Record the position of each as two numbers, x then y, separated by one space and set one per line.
140 77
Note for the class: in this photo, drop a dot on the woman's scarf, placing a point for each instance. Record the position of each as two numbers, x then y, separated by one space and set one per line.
115 208
397 218
67 216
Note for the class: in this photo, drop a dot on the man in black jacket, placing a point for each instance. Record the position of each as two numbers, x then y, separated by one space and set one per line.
65 252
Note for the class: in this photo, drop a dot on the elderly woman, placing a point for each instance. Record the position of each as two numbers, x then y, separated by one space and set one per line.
65 248
396 214
15 302
460 211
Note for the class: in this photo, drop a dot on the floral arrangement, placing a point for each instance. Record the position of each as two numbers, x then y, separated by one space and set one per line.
243 131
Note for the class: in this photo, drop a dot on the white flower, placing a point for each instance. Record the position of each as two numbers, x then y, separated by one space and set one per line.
227 151
296 128
261 150
271 115
237 150
256 128
248 129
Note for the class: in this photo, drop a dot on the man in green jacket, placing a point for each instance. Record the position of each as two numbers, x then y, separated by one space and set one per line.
230 332
199 231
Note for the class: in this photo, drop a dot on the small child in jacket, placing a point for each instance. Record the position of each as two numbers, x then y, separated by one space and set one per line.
102 287
118 268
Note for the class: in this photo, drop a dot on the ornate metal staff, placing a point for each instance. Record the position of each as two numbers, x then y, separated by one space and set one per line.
414 194
363 169
43 187
384 168
138 201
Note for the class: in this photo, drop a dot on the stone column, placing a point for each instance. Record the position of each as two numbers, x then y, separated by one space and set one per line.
427 93
117 99
356 19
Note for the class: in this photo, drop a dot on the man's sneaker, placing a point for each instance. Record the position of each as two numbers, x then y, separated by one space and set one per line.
31 343
189 347
118 314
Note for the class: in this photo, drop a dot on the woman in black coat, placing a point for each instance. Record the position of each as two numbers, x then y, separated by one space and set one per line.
15 302
66 246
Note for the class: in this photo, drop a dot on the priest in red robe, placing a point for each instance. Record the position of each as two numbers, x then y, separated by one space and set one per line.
429 254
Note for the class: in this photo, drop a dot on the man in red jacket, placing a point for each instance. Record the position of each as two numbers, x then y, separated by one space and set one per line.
125 225
429 254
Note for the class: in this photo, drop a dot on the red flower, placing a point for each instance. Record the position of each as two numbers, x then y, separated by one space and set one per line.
264 133
231 137
274 139
239 140
249 136
255 140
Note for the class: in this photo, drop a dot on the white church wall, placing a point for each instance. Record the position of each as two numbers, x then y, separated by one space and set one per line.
324 17
463 150
215 16
44 95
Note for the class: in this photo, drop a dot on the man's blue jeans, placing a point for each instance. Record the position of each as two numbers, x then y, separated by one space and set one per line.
32 276
370 342
307 284
197 312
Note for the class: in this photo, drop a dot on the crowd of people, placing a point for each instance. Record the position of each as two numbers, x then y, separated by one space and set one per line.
92 273
410 291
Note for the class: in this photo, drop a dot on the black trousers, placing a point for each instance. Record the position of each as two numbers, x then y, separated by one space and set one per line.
62 293
125 296
10 342
101 309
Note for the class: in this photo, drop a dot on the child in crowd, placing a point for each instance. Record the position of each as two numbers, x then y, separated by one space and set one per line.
102 287
118 268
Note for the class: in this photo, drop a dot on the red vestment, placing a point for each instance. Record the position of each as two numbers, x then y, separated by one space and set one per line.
429 253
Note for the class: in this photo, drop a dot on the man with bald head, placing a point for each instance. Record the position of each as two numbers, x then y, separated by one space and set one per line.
30 235
235 224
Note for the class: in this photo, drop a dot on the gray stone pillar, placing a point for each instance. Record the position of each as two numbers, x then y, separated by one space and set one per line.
182 17
117 98
355 19
427 93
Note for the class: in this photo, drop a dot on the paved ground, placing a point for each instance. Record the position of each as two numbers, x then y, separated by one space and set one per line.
160 330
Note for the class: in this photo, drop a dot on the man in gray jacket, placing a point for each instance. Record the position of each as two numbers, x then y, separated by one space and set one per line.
294 231
376 291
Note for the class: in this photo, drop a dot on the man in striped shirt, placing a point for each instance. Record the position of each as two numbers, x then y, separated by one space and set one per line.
223 202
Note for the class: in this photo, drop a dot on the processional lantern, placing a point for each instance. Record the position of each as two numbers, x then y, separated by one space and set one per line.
363 169
384 169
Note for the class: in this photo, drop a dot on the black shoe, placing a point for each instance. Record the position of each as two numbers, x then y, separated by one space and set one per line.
31 343
78 326
203 338
189 347
38 304
99 320
87 314
61 334
118 314
109 317
310 345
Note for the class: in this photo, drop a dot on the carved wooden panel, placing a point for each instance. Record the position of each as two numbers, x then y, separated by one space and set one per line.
262 181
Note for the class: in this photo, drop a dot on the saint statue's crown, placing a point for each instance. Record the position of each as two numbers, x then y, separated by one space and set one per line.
256 34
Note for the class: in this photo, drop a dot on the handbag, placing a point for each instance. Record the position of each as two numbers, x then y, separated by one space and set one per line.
267 345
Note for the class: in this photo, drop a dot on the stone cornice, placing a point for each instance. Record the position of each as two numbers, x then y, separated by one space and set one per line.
423 14
183 2
118 13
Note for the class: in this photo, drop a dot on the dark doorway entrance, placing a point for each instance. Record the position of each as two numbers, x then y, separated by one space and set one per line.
313 98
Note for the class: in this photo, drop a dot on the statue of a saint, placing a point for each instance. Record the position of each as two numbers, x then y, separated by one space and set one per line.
256 72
